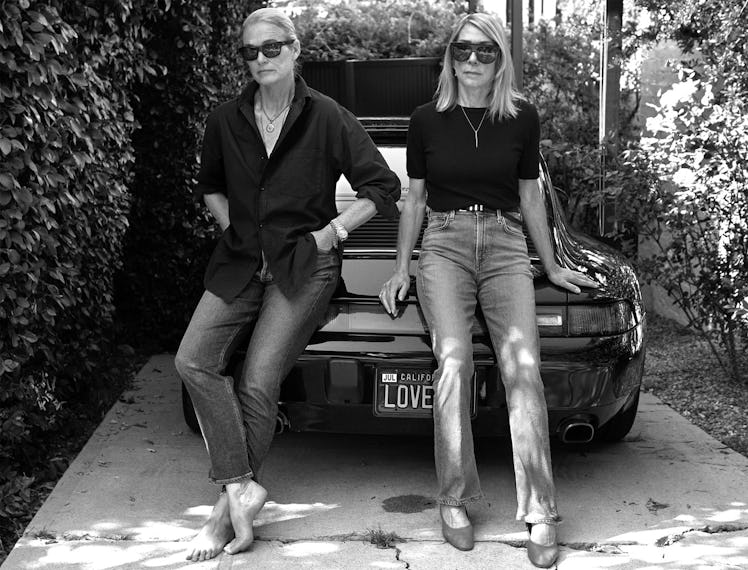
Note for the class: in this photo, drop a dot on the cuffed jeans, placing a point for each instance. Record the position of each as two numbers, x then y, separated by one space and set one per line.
470 257
238 418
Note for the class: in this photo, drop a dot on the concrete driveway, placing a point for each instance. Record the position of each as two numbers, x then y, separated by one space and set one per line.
669 497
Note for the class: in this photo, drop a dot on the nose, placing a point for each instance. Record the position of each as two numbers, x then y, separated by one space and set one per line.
473 57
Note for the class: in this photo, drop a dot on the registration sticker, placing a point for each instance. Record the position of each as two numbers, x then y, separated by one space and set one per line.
406 392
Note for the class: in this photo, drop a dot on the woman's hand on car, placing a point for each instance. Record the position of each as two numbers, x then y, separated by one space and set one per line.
570 279
394 289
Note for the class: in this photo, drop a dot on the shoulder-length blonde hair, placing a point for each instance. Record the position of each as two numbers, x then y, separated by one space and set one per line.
504 95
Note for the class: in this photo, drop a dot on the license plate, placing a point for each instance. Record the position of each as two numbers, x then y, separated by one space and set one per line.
405 392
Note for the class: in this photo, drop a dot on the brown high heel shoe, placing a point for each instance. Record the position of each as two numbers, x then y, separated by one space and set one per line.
461 538
540 555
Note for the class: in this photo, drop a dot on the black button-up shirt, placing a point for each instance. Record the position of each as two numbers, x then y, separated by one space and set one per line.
276 201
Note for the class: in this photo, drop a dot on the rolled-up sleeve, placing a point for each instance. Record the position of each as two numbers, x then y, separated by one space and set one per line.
365 167
211 177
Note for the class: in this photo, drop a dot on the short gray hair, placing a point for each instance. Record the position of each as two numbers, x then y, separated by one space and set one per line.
274 17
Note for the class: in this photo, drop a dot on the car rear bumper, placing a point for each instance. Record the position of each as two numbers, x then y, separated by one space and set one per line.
332 385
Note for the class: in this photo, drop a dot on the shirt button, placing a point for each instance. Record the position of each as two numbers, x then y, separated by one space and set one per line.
262 188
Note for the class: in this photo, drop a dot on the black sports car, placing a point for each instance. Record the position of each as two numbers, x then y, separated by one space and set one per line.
366 372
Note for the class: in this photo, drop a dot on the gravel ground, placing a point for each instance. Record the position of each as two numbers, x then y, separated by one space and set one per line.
681 370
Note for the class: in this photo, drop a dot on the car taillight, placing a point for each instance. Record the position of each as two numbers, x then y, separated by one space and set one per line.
600 319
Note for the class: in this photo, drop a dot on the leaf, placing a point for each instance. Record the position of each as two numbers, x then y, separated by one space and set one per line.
6 181
23 196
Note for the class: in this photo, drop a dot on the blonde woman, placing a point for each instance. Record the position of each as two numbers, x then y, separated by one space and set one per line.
473 160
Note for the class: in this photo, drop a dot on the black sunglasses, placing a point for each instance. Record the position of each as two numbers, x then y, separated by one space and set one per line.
269 49
485 52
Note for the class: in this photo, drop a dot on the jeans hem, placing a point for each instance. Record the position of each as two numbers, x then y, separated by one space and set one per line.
238 479
450 502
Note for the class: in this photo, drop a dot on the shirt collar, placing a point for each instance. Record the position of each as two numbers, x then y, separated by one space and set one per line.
301 92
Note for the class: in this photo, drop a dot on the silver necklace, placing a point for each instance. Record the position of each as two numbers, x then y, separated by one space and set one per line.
475 131
270 127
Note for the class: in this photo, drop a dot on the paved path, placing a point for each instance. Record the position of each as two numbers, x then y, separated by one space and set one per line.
669 497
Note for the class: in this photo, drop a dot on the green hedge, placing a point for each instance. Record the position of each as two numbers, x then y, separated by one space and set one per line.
66 161
101 107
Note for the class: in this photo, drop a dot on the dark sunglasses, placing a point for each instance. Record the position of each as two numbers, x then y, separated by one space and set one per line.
270 49
485 52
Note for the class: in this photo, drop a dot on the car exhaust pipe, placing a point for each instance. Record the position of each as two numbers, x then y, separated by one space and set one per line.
577 431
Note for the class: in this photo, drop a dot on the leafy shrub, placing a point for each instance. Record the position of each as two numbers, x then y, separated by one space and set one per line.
65 142
380 30
695 211
561 77
171 235
698 217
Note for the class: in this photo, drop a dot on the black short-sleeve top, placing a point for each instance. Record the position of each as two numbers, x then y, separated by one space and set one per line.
442 151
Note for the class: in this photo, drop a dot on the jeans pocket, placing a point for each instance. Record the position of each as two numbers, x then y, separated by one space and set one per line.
512 223
438 221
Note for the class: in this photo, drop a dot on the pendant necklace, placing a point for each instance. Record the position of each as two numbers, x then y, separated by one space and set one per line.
475 131
270 127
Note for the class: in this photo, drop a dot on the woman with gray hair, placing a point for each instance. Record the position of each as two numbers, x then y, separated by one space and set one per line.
270 162
473 164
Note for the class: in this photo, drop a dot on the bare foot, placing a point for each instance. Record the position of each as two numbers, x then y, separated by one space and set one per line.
245 501
543 534
214 535
455 517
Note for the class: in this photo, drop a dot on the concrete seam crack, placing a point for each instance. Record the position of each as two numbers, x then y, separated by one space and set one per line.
50 537
708 529
398 552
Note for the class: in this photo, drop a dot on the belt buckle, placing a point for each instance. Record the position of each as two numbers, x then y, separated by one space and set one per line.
475 208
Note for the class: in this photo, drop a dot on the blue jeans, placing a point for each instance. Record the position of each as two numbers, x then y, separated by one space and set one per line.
481 257
238 418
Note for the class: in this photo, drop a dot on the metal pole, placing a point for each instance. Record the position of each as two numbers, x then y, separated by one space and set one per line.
514 17
611 53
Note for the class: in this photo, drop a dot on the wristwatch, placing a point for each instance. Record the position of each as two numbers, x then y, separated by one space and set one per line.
341 234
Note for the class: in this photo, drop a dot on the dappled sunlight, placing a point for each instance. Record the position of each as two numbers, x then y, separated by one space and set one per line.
274 512
199 511
111 555
730 515
582 561
302 549
512 359
647 536
178 529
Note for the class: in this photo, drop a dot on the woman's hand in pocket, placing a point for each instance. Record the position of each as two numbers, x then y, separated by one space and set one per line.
325 238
